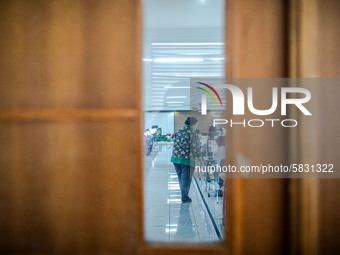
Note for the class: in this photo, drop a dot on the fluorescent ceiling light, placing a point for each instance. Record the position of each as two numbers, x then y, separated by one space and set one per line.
175 102
171 230
171 105
177 97
217 59
158 89
197 53
210 43
189 74
176 60
147 59
173 87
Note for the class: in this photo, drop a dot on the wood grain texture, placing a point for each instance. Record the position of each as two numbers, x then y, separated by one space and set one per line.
256 48
68 54
70 104
57 115
315 203
70 187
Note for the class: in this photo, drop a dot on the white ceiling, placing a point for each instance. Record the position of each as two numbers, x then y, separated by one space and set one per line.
183 13
183 39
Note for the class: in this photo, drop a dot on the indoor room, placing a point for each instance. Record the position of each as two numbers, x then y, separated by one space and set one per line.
143 127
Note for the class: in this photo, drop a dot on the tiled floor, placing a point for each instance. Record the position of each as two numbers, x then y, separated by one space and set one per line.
166 218
215 203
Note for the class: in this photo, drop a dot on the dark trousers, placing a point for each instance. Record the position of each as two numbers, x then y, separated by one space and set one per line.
184 174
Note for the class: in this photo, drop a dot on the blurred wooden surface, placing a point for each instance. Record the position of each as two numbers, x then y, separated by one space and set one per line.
256 48
315 39
70 97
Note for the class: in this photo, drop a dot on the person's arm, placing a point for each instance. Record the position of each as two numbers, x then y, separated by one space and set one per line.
197 148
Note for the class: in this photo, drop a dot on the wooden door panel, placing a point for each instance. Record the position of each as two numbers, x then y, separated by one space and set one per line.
256 49
315 39
68 54
69 102
68 186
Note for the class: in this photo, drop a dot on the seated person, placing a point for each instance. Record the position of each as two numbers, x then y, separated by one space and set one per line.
220 153
211 132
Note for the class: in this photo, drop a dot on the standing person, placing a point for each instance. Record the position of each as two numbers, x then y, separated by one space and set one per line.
186 149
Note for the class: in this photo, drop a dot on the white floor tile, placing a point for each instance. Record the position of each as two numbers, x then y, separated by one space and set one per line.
166 218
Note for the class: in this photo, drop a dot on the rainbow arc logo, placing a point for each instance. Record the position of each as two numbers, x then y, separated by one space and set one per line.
204 98
209 93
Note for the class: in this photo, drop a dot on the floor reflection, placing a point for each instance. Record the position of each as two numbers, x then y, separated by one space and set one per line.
185 226
166 218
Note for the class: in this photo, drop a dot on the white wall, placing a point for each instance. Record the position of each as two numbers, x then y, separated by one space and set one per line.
164 120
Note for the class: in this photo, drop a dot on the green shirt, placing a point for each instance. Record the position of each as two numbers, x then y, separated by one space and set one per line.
186 146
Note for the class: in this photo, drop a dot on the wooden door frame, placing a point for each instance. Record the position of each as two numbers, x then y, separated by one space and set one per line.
236 239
